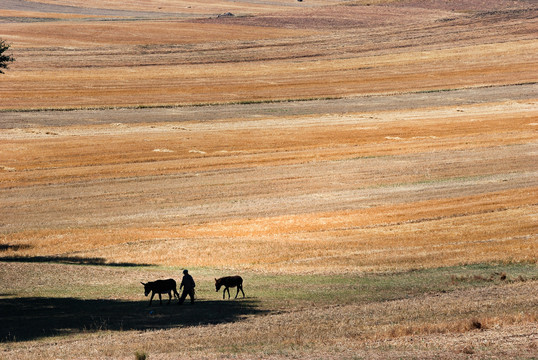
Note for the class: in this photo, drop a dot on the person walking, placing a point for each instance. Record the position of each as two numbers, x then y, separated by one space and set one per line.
187 284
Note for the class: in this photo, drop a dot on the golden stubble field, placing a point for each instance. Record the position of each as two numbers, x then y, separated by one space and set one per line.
292 53
341 150
348 192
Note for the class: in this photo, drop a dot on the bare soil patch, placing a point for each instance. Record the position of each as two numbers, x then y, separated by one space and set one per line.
337 17
462 5
156 8
80 8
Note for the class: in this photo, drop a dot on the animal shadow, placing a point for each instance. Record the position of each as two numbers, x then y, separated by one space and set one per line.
36 317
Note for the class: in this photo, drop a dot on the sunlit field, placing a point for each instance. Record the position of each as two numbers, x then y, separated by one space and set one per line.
294 52
325 193
368 168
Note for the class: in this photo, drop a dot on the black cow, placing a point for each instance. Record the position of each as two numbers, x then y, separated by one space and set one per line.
228 282
161 287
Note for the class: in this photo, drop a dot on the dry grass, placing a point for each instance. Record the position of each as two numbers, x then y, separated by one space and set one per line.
378 191
309 328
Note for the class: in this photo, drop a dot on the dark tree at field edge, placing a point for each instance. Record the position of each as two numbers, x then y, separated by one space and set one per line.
4 59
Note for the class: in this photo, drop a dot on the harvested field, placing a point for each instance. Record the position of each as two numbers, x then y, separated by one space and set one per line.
117 63
304 183
369 168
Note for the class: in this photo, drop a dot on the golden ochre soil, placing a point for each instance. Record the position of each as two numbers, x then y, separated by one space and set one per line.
369 168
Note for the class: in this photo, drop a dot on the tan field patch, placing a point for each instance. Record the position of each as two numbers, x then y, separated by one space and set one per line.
144 62
336 17
194 147
227 82
206 7
44 35
360 192
290 244
36 14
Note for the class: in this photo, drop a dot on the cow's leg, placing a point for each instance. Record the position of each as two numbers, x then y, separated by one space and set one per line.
160 299
228 292
151 298
223 293
242 290
237 293
169 297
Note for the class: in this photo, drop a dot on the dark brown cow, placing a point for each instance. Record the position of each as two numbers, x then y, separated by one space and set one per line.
228 282
161 287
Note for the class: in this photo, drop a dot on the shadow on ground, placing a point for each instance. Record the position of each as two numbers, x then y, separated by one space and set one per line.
35 317
73 260
6 247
